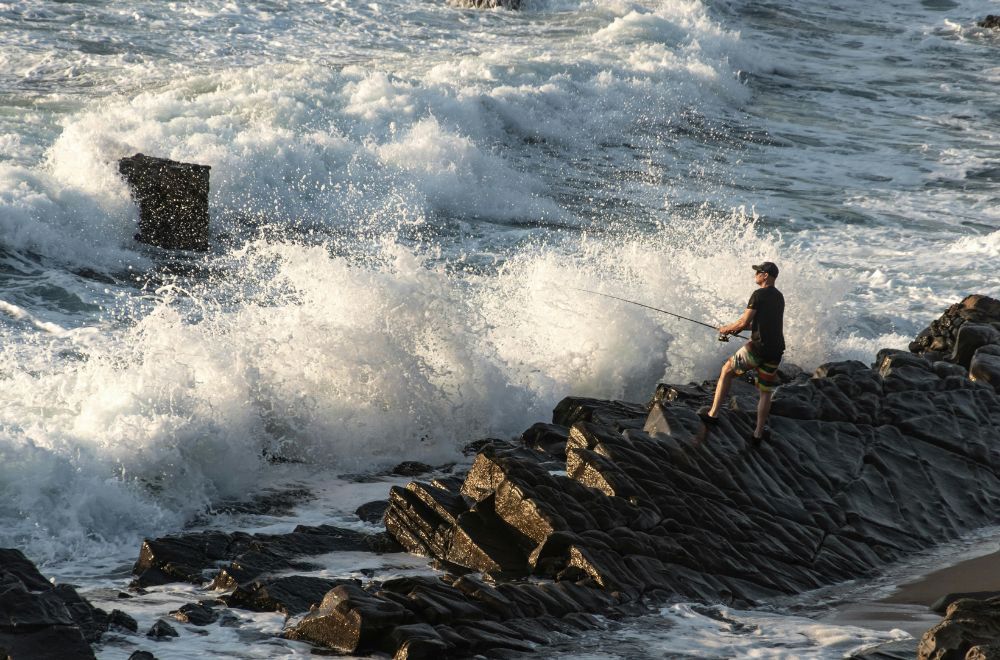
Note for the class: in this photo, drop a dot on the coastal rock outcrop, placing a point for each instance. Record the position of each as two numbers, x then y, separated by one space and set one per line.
866 464
195 557
172 199
616 506
42 621
960 332
970 630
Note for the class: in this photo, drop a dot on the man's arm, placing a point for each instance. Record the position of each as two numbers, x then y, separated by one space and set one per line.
740 324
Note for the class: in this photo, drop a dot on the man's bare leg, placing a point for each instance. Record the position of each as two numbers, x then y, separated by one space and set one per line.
763 410
722 388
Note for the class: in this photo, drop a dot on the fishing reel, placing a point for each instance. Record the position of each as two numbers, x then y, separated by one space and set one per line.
723 337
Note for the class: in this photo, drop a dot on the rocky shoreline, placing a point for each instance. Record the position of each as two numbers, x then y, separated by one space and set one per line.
614 507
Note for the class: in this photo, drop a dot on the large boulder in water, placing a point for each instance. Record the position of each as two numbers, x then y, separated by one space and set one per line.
172 199
991 21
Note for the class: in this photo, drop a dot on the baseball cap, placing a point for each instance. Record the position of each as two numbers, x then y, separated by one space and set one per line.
767 267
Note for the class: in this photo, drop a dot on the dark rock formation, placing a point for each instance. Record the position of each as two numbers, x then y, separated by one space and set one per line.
970 629
41 621
162 629
991 21
615 506
194 558
122 621
630 501
196 614
450 617
292 594
959 332
372 512
411 469
172 199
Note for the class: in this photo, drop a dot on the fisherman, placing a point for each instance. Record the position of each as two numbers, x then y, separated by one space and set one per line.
762 354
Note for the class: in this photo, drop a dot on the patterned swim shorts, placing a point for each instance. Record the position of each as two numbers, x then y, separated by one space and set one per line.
766 372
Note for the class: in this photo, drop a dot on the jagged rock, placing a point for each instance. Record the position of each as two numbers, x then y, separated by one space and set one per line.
616 414
865 465
967 623
162 629
142 655
122 621
411 469
970 338
985 366
172 199
197 614
989 651
187 557
349 619
941 335
991 21
372 512
289 595
546 438
39 620
941 604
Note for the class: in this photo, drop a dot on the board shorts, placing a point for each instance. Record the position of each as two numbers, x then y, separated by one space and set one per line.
766 372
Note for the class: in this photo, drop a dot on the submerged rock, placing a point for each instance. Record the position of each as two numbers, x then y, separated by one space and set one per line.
991 21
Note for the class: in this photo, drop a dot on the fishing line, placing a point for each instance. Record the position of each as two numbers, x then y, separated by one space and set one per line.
662 311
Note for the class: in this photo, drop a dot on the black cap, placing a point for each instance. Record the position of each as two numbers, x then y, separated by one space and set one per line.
767 267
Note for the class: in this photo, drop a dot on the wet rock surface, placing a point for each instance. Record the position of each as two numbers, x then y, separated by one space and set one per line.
39 620
173 201
195 557
970 629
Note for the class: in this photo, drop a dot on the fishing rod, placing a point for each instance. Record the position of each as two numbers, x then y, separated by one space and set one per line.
722 337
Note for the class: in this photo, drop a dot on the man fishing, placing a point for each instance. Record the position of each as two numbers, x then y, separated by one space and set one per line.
762 354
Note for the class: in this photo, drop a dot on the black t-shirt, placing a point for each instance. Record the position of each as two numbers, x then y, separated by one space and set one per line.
765 329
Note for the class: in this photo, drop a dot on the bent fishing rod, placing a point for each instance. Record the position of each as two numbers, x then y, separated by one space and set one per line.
722 337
